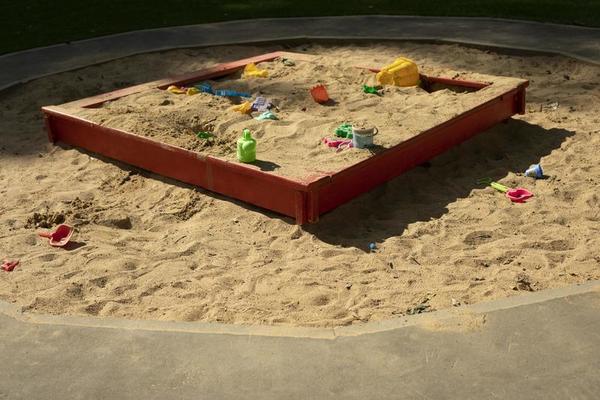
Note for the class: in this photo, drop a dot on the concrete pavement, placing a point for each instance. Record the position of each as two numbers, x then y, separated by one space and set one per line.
544 345
572 41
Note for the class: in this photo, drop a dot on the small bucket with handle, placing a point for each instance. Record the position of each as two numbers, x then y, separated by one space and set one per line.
363 137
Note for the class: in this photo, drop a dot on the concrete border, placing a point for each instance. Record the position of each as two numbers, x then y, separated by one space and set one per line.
445 316
570 41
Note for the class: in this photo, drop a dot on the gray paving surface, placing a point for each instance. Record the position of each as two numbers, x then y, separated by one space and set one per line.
541 350
578 42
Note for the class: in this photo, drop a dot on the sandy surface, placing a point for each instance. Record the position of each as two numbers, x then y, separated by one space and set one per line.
152 248
292 146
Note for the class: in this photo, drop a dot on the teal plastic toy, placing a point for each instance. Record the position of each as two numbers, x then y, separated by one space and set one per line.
267 115
246 147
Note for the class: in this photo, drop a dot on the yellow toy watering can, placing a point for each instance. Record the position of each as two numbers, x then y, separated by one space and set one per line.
402 72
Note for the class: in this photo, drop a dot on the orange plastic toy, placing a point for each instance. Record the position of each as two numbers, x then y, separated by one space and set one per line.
319 94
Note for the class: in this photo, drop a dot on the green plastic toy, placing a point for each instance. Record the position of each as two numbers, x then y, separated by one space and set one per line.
246 147
371 90
498 186
344 131
204 135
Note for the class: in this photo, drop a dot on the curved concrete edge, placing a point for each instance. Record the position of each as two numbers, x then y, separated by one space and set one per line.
570 41
441 317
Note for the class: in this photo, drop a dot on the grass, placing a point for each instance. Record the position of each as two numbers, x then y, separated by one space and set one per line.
32 23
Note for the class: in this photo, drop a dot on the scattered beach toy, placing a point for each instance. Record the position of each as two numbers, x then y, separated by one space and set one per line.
363 137
176 90
372 246
287 62
517 195
204 135
192 91
339 144
402 72
371 90
207 88
9 265
319 94
344 130
261 104
267 115
251 70
550 106
244 108
204 88
535 171
60 236
230 93
246 147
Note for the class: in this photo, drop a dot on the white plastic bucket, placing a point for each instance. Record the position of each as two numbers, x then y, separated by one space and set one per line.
362 138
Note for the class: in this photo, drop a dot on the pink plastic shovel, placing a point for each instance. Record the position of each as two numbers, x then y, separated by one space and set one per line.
60 237
517 195
339 144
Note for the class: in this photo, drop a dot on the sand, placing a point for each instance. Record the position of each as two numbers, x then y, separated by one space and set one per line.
152 248
292 146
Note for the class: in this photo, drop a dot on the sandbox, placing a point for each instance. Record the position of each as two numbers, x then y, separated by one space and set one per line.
152 248
297 176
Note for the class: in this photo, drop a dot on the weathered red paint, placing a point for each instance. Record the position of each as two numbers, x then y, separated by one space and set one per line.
304 199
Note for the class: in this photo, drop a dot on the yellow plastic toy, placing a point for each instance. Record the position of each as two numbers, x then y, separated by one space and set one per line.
251 70
402 72
175 90
244 108
192 91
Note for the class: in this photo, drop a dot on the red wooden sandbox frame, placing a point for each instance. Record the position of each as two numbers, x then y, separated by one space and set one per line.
304 199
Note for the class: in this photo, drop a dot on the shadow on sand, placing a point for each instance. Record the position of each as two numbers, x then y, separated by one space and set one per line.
420 194
425 192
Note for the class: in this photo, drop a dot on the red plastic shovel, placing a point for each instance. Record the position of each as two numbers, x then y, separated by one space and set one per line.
9 265
60 237
518 195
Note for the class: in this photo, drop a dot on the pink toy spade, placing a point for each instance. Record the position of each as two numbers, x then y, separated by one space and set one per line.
517 195
60 237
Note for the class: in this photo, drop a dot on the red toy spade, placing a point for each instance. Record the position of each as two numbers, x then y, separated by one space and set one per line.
60 237
518 195
9 265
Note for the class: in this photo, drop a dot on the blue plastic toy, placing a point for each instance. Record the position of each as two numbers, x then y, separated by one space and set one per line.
535 171
207 88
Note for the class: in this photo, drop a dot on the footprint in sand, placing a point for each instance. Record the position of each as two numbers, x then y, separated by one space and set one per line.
94 308
553 245
48 257
320 300
129 266
151 290
479 237
99 282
